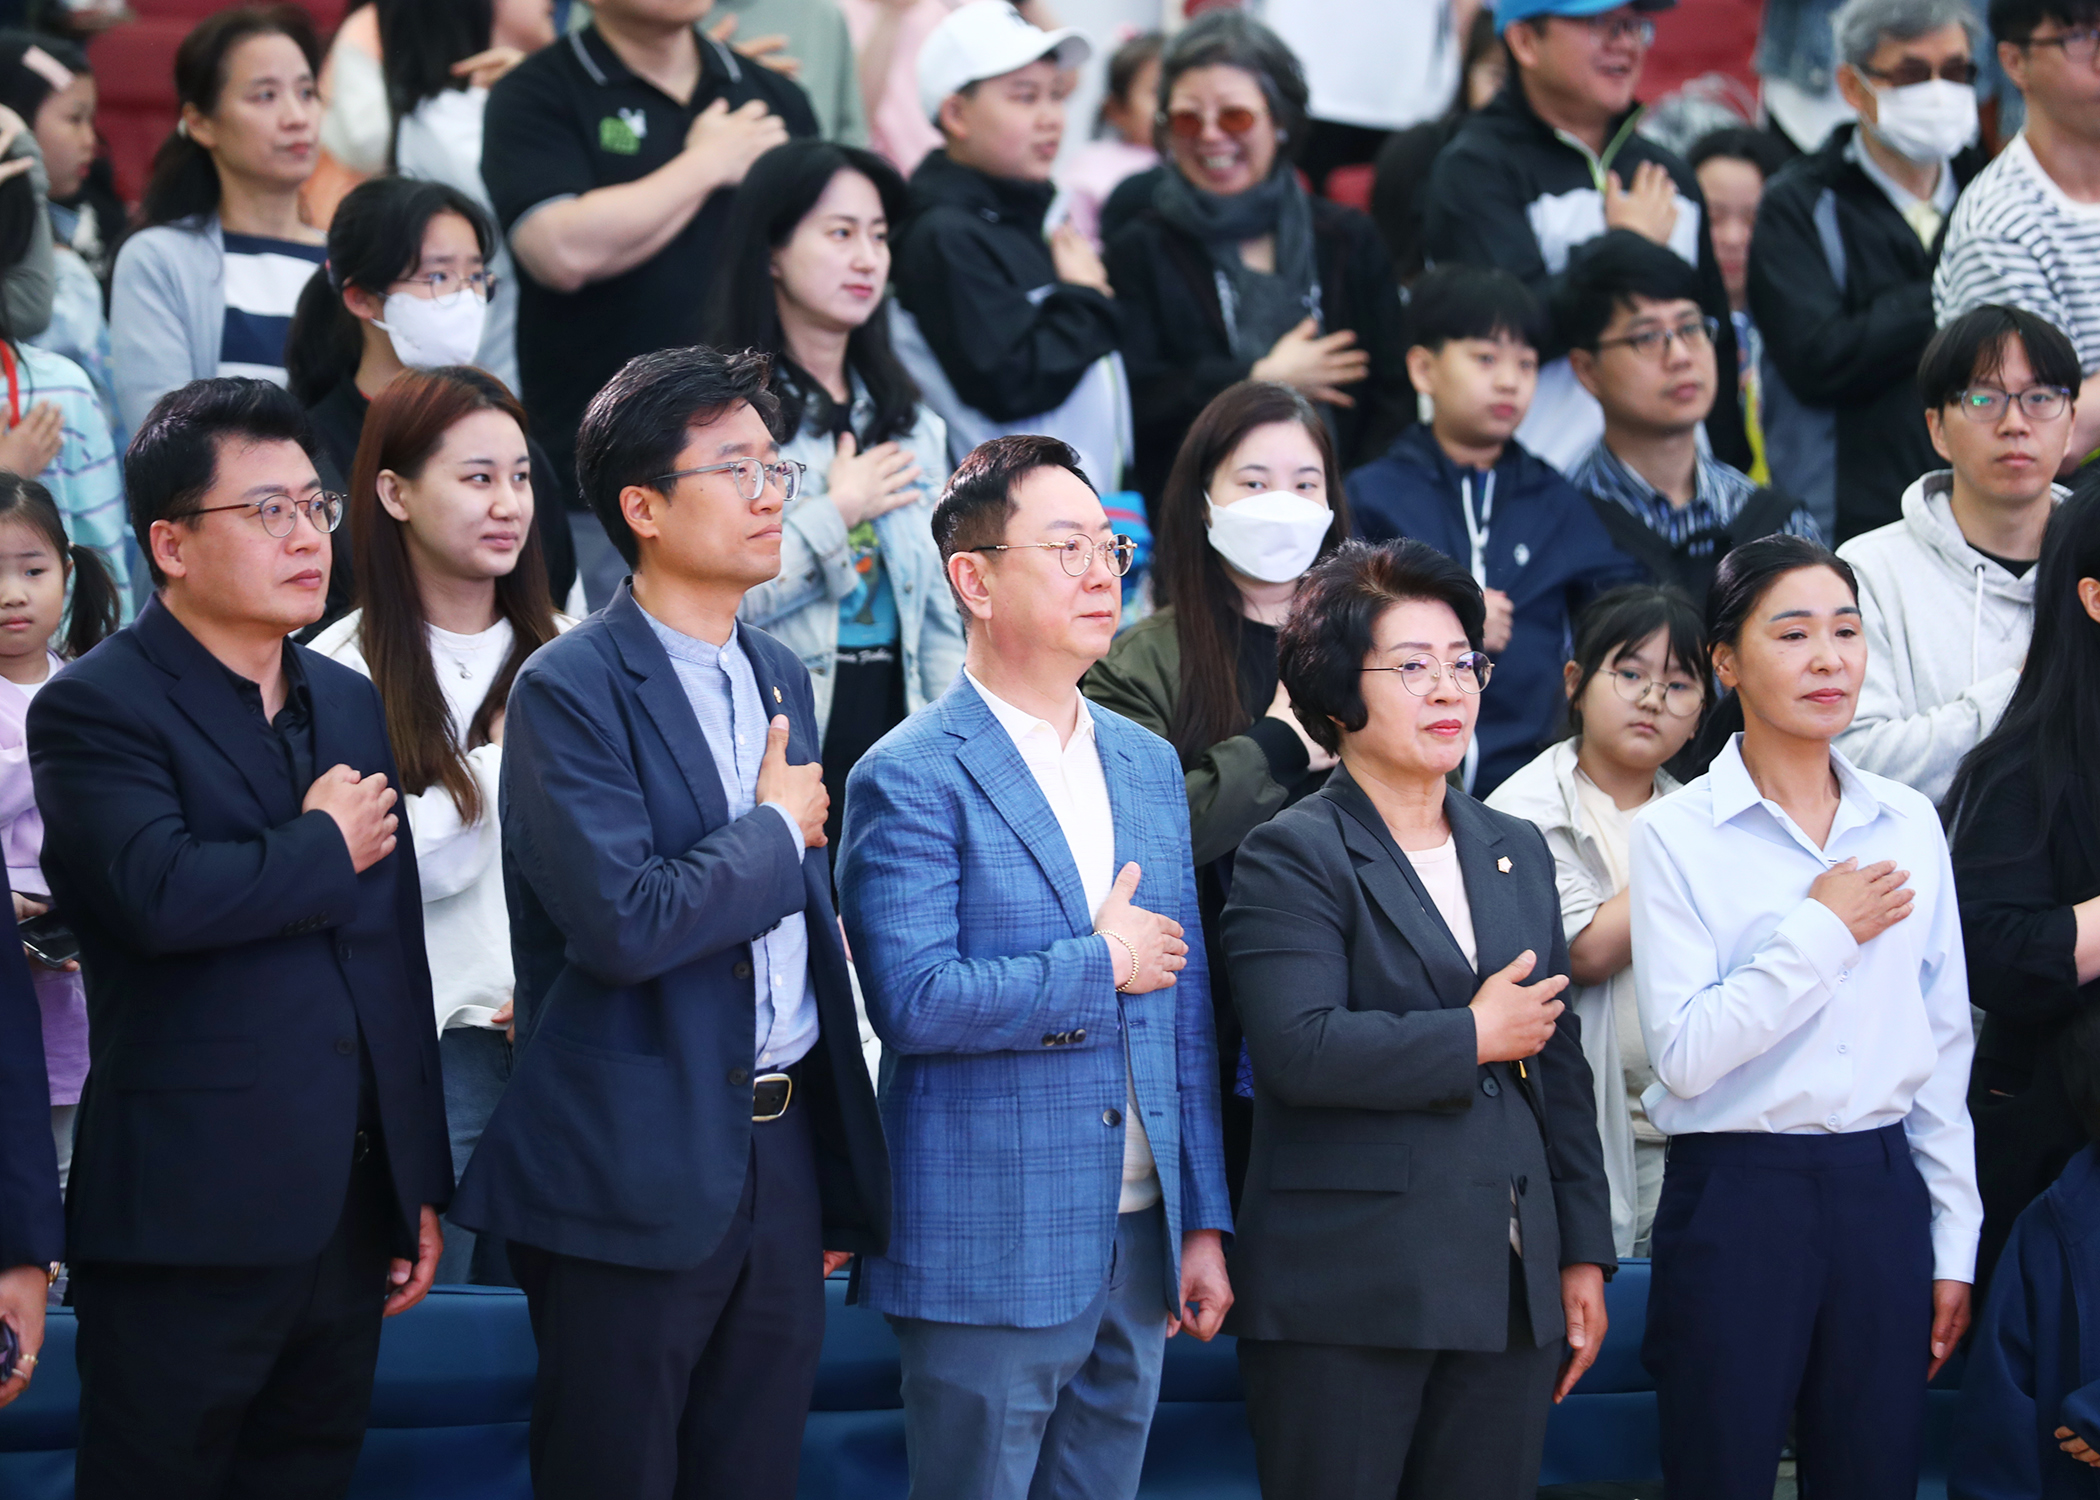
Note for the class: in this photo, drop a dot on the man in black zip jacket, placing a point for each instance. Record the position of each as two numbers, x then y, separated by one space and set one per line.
1841 281
1552 162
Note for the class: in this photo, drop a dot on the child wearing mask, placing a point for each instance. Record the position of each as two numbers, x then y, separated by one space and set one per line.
1461 482
1004 329
1636 688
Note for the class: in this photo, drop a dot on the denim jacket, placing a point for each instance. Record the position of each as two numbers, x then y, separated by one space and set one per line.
800 608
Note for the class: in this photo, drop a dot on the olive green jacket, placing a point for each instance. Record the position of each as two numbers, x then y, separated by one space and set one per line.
1237 784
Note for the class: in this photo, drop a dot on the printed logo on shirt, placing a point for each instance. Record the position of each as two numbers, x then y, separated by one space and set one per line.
622 134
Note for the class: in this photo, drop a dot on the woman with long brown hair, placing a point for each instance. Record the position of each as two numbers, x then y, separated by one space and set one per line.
452 596
1254 499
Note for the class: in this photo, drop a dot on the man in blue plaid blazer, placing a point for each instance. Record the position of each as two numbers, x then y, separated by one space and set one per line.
1017 886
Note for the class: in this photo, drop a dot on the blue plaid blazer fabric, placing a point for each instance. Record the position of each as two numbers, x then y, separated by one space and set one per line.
1005 1036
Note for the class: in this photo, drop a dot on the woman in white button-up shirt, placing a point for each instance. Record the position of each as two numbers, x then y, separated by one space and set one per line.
1802 991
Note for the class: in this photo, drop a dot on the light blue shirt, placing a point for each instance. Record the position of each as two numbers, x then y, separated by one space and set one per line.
1761 1012
723 690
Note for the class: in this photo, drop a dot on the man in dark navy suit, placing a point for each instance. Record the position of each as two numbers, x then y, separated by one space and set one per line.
32 1223
261 1154
689 1141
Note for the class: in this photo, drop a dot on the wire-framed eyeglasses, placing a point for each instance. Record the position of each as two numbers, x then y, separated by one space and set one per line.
1680 698
444 287
1650 343
751 475
279 514
1076 554
1420 674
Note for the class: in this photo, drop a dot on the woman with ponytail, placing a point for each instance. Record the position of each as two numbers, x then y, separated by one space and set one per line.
38 634
453 599
406 286
205 286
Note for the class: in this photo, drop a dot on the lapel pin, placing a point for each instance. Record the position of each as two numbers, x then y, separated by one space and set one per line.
776 696
1502 864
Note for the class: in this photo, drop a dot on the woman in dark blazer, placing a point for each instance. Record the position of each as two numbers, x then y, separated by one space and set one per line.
1233 271
1425 1214
2025 818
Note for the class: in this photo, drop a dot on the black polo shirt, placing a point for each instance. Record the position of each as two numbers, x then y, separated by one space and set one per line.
571 118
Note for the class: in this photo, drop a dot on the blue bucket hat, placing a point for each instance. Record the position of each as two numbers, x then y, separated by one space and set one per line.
1526 10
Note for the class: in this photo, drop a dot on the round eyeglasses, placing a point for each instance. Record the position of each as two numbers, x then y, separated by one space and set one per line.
2038 403
1076 554
444 287
1420 674
1680 699
280 513
751 476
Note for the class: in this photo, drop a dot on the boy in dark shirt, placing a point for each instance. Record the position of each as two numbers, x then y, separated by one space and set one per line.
1461 482
1006 330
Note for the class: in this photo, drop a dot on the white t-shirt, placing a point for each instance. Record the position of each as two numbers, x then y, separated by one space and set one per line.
1612 827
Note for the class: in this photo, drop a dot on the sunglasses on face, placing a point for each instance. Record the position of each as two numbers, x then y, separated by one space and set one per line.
1234 119
1915 70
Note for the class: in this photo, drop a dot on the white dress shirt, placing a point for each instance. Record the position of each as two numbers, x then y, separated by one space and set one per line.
1760 1011
1069 775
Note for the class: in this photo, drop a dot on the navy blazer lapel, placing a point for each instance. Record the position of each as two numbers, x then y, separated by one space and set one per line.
663 698
1389 876
207 699
994 763
1494 890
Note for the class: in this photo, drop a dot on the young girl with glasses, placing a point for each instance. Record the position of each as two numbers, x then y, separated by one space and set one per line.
1636 689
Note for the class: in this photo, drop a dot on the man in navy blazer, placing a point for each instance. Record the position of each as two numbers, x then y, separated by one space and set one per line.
688 1143
1019 890
32 1221
261 1151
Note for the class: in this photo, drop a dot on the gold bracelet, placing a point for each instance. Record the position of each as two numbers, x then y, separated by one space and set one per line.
1124 987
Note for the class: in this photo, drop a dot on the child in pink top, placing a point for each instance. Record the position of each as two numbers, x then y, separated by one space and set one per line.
1123 145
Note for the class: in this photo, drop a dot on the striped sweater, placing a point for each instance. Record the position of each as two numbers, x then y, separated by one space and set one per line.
2016 238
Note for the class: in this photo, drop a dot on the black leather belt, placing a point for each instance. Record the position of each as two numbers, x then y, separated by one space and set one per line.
771 1093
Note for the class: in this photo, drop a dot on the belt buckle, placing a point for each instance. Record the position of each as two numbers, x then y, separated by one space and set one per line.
787 1084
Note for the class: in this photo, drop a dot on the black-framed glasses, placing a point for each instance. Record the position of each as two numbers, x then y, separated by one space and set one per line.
445 287
751 475
2038 403
1420 674
1680 698
1076 554
279 514
1653 343
1913 71
2079 45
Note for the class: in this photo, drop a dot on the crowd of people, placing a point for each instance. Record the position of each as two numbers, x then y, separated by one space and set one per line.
649 661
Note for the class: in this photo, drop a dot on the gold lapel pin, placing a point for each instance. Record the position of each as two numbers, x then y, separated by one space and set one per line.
778 699
1502 864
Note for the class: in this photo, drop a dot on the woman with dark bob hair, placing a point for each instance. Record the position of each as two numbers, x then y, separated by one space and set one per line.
1397 963
1254 501
1797 960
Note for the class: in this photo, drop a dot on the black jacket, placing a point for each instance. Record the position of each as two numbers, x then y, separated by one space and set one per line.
1850 342
1180 355
1504 161
32 1220
1378 1193
2019 871
339 424
233 960
969 257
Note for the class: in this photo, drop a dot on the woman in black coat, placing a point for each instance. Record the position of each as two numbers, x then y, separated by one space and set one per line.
2025 813
1233 271
1425 1214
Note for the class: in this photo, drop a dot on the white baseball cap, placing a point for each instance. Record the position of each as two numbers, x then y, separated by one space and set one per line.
983 40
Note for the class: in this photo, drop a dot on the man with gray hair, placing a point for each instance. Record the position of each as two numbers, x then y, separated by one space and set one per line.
1842 259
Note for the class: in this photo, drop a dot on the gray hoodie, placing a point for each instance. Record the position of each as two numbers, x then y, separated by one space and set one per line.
1947 630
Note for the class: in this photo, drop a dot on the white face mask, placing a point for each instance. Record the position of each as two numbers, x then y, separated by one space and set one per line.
1925 122
426 333
1272 537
